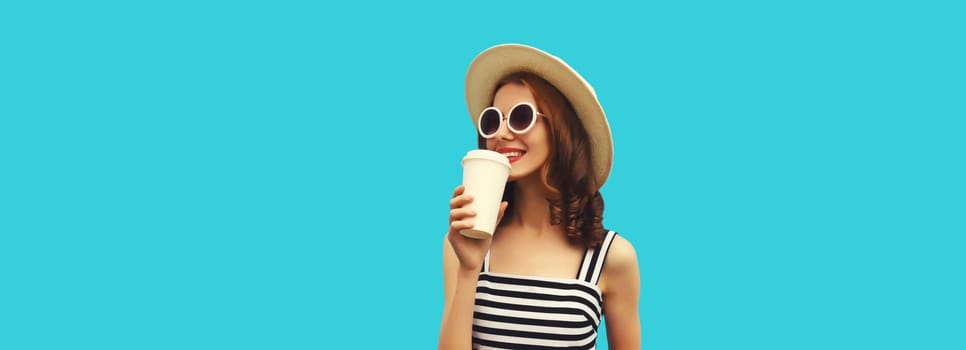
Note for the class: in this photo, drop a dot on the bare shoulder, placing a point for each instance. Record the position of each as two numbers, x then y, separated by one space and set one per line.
620 266
621 254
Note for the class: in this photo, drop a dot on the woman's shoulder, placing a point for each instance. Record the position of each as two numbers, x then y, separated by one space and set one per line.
620 254
620 265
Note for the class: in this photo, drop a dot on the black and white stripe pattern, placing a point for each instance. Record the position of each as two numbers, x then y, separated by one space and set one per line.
529 312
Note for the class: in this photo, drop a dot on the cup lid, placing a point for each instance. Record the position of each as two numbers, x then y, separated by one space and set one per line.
488 155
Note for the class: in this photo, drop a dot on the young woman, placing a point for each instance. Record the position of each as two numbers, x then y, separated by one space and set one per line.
550 272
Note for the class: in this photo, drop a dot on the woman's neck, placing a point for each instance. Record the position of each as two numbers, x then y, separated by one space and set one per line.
531 212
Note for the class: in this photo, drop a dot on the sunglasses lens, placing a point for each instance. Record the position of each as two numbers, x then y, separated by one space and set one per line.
521 117
489 122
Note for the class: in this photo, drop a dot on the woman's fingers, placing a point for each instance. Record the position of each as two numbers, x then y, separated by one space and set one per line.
461 213
460 200
456 226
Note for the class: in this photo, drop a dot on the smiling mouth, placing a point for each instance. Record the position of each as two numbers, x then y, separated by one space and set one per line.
513 156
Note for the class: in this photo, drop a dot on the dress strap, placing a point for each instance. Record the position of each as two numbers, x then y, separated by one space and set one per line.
593 261
486 262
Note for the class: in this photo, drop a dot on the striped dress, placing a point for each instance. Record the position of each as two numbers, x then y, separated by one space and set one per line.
529 312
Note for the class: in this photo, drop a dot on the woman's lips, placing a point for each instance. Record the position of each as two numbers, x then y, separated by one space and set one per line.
512 154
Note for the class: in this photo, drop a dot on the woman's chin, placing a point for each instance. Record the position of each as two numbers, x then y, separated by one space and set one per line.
517 176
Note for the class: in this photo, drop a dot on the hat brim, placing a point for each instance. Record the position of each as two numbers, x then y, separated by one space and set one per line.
498 62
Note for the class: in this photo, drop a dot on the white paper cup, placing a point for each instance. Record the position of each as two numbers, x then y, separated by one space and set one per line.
484 177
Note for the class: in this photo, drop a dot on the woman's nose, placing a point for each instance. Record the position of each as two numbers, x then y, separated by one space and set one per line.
504 131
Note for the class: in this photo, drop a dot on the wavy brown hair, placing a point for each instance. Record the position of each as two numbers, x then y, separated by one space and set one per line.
574 199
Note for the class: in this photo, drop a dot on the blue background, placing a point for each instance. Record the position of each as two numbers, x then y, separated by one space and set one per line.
276 174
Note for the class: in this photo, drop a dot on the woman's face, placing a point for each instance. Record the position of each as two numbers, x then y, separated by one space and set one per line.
529 151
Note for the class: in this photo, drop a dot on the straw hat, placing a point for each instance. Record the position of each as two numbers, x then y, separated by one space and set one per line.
498 62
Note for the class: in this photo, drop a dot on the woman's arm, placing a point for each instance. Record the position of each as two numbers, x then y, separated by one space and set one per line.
462 261
459 285
621 285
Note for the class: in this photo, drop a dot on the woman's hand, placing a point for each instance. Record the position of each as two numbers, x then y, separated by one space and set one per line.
462 261
469 251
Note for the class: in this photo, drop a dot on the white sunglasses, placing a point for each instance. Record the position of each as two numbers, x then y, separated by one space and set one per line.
522 118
